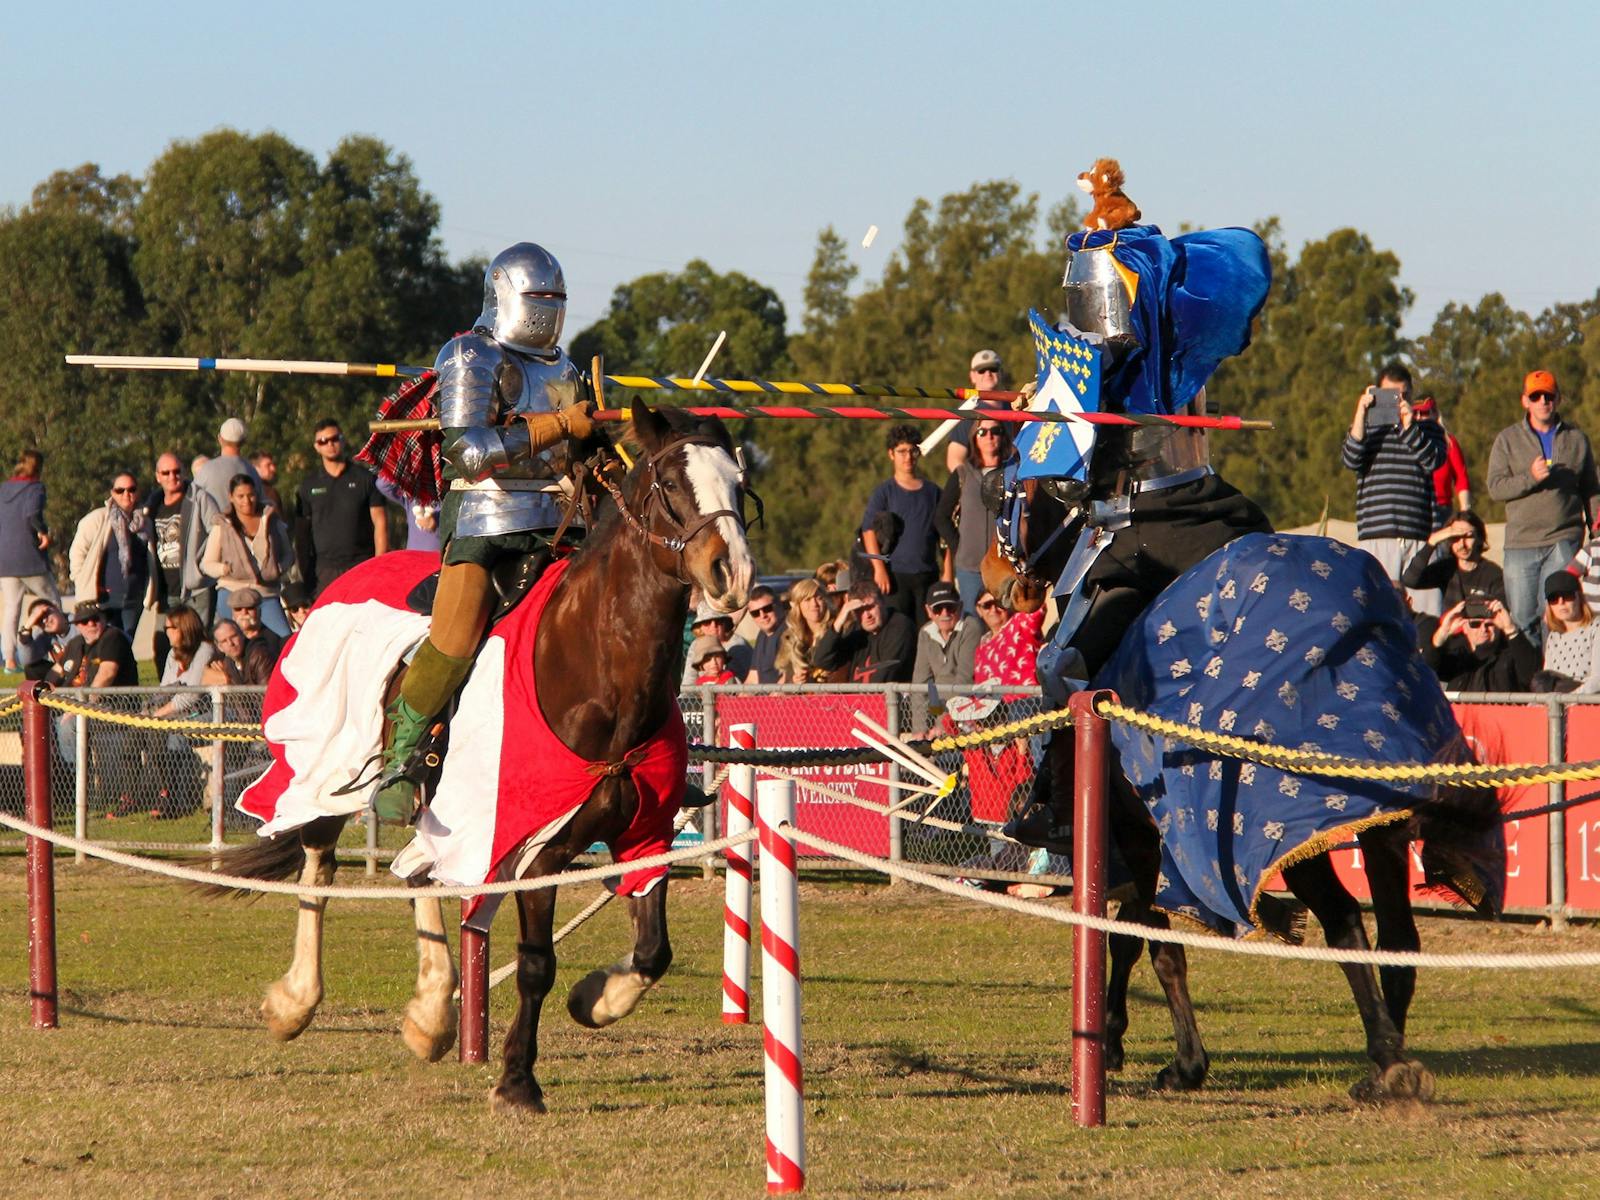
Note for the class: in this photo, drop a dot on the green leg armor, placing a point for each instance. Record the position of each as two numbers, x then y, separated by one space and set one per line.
430 681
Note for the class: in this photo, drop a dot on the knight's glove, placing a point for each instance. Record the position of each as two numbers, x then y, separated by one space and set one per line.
548 428
1025 395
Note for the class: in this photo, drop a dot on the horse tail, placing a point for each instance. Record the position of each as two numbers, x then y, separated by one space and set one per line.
279 857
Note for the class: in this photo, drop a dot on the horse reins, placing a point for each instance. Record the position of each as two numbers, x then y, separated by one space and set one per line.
655 499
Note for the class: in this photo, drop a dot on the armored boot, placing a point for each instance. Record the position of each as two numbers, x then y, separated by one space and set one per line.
1041 825
430 681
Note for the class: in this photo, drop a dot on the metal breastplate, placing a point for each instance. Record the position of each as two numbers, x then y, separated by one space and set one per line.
483 387
1148 455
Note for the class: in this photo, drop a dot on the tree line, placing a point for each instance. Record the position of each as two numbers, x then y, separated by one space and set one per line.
244 245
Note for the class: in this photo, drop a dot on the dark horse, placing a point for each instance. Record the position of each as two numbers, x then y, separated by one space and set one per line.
605 663
1382 997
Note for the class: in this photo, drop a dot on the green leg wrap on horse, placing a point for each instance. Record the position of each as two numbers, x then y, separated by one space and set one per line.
430 681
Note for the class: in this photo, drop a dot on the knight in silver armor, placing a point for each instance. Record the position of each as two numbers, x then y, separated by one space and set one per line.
511 406
1151 508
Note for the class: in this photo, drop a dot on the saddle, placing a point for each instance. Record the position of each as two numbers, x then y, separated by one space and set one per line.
513 579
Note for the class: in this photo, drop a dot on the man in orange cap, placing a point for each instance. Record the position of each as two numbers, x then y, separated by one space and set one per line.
1543 470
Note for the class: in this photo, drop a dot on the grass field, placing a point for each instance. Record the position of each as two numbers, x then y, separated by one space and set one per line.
936 1061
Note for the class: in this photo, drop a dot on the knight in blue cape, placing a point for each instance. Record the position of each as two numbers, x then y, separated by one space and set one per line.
1148 319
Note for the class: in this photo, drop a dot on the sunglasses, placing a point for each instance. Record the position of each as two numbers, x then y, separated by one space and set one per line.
123 491
1564 596
1478 623
1548 397
940 610
90 621
761 612
986 431
987 605
986 370
174 471
329 441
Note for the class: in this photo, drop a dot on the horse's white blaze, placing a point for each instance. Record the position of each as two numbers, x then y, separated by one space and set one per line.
715 478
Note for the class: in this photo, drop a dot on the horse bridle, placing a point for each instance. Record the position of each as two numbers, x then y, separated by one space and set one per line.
656 501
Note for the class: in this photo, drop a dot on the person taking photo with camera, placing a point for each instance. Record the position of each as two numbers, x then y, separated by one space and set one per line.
1477 647
1394 456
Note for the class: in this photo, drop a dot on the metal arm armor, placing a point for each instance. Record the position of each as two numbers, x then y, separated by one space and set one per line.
469 410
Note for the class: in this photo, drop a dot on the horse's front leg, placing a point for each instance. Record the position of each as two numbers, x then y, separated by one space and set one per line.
1393 1076
292 1000
518 1091
429 1026
611 993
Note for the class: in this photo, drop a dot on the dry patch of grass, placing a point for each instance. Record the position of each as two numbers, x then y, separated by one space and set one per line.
936 1064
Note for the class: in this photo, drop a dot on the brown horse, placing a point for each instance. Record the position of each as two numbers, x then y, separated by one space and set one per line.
606 666
1382 997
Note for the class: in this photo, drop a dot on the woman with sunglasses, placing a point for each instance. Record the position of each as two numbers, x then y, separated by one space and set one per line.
1571 639
807 621
961 519
109 558
248 548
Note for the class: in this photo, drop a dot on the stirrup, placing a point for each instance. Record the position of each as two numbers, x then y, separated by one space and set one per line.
1038 827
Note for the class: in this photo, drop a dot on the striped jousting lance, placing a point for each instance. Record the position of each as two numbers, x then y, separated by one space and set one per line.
682 384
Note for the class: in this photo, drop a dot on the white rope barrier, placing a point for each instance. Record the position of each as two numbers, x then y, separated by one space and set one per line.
1204 941
1207 941
391 892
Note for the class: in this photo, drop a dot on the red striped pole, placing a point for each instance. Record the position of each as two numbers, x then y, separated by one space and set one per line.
474 994
1089 829
780 988
736 902
41 862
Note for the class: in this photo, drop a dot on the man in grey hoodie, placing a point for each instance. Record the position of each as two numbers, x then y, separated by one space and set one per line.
1543 470
24 539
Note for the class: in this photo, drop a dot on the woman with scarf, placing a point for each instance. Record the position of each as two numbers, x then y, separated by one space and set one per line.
248 548
109 558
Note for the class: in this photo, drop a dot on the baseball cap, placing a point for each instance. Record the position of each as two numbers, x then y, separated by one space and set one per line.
702 647
1425 406
985 358
88 610
1539 381
943 593
245 597
232 430
1561 583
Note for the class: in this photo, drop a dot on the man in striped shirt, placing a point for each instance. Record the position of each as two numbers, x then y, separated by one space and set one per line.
1394 467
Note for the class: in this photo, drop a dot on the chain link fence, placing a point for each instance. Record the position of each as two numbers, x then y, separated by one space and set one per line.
992 781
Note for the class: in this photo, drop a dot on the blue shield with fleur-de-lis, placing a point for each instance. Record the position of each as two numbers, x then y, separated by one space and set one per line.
1068 377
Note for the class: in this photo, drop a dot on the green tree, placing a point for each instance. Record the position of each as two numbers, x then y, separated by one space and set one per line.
66 281
1331 320
964 276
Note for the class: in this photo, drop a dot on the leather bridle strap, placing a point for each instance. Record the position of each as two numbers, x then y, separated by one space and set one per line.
654 499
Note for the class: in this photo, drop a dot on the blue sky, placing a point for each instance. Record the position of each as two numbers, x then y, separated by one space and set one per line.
630 138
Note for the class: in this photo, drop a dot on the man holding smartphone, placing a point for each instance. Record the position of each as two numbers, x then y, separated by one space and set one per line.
1394 456
1543 470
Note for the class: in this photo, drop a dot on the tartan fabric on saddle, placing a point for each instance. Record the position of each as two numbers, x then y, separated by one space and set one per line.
410 461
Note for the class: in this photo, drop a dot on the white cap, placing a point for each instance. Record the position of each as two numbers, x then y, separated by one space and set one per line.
232 430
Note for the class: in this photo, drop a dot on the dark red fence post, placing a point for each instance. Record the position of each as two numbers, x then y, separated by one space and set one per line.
474 995
41 858
1089 834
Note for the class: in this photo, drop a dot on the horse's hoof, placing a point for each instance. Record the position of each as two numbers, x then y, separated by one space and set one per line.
429 1037
286 1018
508 1101
1173 1079
1404 1080
1113 1058
604 997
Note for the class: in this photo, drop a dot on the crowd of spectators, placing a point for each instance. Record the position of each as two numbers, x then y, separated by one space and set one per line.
1482 627
228 567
